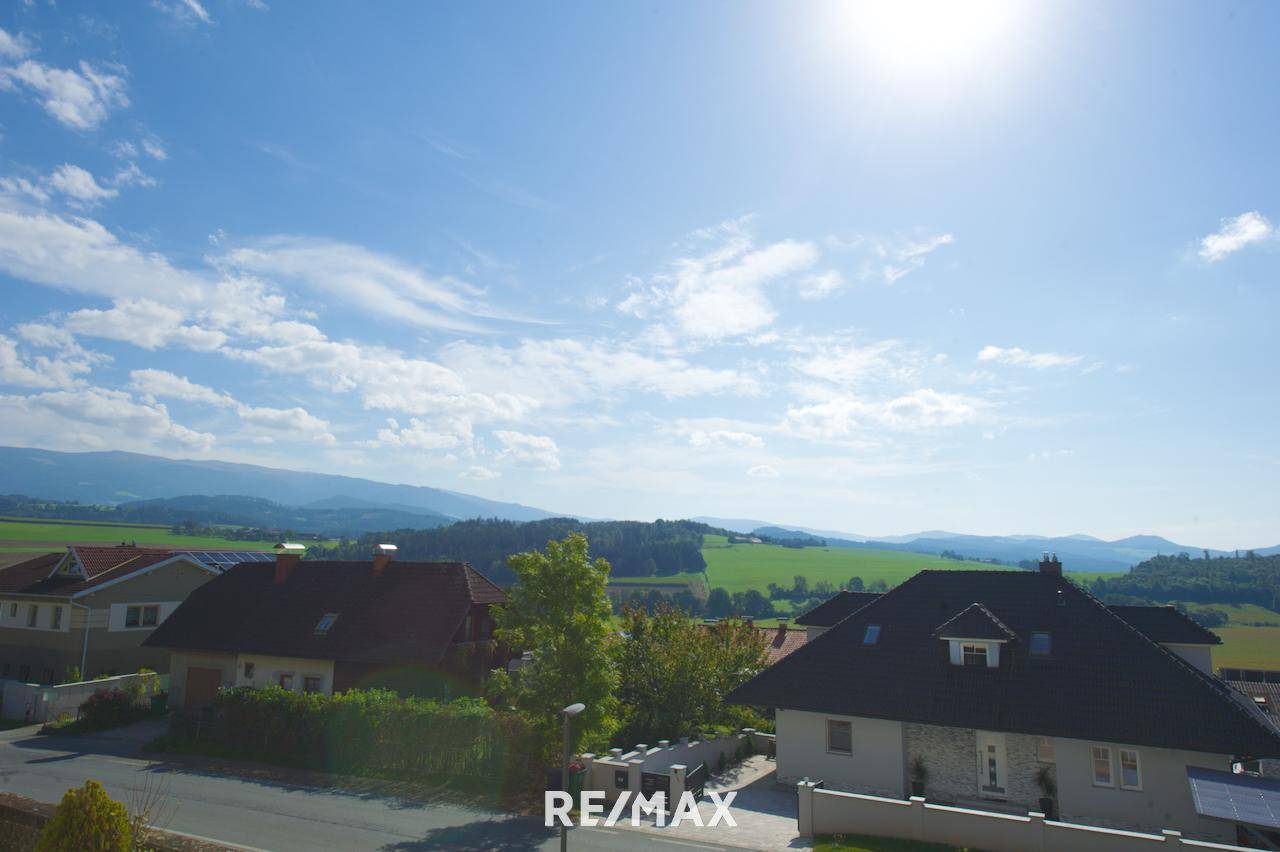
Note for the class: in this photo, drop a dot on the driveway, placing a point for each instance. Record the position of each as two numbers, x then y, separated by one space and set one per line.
765 813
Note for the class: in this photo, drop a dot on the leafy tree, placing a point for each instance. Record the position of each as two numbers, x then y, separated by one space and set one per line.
800 586
719 604
855 584
879 586
87 819
752 604
678 672
559 611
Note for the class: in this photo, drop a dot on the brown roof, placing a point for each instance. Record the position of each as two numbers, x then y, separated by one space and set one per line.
102 564
782 641
98 560
409 614
20 575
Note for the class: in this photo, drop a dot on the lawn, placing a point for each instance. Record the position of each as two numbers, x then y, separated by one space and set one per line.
1242 615
738 567
42 536
1248 647
667 580
867 843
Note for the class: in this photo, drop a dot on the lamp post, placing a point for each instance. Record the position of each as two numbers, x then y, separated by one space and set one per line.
568 713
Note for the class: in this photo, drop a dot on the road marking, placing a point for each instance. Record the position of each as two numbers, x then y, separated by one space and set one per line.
215 841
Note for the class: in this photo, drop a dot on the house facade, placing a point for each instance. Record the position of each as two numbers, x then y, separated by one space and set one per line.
89 609
420 628
994 690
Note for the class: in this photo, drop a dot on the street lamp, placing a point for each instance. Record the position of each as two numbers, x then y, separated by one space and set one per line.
568 712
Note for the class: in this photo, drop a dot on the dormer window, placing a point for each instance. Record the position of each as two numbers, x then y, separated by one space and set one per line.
1041 643
974 654
872 635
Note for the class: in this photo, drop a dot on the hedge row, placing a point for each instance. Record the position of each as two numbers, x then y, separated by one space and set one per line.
366 732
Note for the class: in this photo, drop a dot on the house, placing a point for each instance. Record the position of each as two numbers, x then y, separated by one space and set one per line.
89 609
420 628
781 641
994 680
833 610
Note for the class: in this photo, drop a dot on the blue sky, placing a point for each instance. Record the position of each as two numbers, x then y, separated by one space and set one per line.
1011 269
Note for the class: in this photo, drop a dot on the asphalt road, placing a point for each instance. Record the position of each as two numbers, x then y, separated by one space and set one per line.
261 813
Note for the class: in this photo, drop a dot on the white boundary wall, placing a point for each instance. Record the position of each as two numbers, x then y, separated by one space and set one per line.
832 812
64 699
673 759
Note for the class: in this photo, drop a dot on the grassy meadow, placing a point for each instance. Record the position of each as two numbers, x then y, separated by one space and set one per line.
1248 647
23 537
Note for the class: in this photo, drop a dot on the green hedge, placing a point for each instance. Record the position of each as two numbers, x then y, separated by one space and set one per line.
366 732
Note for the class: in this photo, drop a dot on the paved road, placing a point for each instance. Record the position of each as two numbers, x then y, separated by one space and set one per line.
261 813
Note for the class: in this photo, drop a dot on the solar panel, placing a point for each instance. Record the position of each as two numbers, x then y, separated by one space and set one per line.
1235 798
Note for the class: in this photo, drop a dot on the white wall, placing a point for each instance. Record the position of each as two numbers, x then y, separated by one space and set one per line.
1200 656
116 617
267 669
1163 802
875 766
44 614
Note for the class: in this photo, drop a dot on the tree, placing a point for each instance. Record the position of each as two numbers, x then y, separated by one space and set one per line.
719 604
879 586
800 586
678 672
87 819
855 584
559 611
752 604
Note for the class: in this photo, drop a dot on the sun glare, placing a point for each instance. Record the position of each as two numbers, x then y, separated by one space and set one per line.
924 36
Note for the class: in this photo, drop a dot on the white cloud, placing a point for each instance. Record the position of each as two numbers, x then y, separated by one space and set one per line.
422 435
536 451
891 258
846 416
95 417
821 284
144 323
1017 357
852 365
720 294
373 282
478 472
19 188
183 11
162 383
762 471
1235 234
63 371
1047 455
154 147
723 438
131 175
13 46
79 99
79 185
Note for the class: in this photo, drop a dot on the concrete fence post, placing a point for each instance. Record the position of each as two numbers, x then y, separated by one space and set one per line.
1035 832
804 807
1172 839
664 744
917 818
588 761
678 775
634 767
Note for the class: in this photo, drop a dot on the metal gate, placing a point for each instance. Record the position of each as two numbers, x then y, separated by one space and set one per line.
696 780
652 782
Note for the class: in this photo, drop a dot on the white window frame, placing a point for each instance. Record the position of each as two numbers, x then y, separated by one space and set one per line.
842 752
972 648
318 678
280 676
1137 765
1094 757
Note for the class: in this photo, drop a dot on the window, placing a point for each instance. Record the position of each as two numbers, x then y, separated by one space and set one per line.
311 683
872 636
839 737
1045 752
248 671
142 616
285 680
56 624
1130 770
1041 643
1102 767
24 673
326 621
974 655
13 610
33 612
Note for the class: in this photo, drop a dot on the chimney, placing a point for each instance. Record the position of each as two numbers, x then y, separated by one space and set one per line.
382 556
288 555
1050 564
782 628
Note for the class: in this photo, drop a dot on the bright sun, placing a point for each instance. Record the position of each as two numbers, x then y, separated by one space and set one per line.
913 36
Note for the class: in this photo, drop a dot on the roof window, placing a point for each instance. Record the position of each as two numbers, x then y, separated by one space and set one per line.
326 621
872 635
1041 643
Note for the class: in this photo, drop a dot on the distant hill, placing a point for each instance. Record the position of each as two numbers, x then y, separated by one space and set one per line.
115 477
228 511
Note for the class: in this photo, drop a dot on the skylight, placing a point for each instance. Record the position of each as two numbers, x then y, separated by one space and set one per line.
872 636
326 621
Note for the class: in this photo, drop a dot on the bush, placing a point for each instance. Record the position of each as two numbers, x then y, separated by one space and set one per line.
87 819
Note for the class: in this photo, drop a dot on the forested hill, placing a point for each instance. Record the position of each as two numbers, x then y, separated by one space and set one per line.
1220 579
633 548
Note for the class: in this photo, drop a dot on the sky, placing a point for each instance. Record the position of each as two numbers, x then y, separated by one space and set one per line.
879 268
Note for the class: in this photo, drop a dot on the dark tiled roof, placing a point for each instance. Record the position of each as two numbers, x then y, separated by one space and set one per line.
33 577
1264 694
975 622
1166 624
1104 680
407 615
835 608
19 576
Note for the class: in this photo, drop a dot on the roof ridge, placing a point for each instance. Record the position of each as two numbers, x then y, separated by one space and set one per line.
1218 686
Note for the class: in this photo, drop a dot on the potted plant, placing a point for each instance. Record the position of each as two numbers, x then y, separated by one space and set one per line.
1048 785
919 775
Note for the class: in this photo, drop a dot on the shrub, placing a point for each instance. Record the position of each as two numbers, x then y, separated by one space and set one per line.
87 819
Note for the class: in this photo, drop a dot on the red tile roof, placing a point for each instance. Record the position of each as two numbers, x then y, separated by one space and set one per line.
98 560
33 577
782 641
20 575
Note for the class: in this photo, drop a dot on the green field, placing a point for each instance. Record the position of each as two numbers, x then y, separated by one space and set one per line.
739 567
1248 647
667 580
25 536
1242 615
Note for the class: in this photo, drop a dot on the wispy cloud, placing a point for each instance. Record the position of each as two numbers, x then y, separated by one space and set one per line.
536 451
183 11
79 99
1243 230
1017 357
